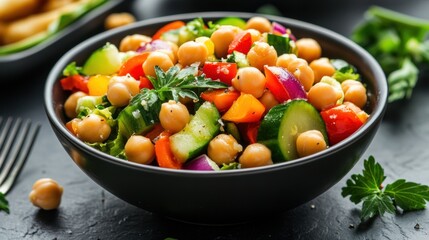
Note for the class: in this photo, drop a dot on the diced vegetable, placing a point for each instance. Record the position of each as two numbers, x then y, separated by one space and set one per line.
283 84
222 98
282 43
97 85
140 115
75 83
133 66
239 58
282 125
168 27
234 21
193 139
201 163
242 43
164 155
222 71
341 122
246 108
105 60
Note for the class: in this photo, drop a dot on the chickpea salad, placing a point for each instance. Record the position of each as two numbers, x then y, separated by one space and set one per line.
213 96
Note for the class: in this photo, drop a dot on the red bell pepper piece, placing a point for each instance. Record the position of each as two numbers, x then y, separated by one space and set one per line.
133 66
242 43
145 83
223 71
341 121
275 86
249 131
221 98
75 83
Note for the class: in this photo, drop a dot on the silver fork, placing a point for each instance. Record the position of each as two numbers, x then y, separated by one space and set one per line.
16 140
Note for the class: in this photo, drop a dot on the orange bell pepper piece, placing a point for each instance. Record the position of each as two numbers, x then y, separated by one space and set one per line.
221 98
246 108
163 153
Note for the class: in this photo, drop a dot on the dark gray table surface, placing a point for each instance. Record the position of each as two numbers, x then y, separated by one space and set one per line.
89 212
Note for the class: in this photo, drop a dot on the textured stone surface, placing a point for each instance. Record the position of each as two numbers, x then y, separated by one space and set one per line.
89 212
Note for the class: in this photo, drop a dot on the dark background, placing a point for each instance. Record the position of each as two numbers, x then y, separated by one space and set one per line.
89 212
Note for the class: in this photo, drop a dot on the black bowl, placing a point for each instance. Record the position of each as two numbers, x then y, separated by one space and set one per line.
228 196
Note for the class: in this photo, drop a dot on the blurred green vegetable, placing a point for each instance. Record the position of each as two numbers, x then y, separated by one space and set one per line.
4 204
399 43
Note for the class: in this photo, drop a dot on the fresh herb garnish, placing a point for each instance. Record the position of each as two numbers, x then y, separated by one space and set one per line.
176 83
367 188
399 43
4 204
71 69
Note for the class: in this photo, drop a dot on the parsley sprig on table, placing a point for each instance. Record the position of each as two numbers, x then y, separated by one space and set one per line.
367 188
4 204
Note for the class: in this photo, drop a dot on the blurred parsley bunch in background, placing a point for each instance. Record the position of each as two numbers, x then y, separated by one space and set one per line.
399 43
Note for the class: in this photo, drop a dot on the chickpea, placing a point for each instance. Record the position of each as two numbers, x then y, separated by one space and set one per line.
259 23
310 142
174 49
221 38
299 67
255 155
71 103
354 92
192 52
322 95
93 128
139 149
321 67
268 100
250 80
133 42
255 34
308 49
121 89
262 54
305 75
208 43
174 116
157 59
223 149
115 20
46 194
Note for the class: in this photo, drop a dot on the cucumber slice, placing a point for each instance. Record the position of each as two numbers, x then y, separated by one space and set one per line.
282 125
191 141
140 115
239 58
105 60
282 44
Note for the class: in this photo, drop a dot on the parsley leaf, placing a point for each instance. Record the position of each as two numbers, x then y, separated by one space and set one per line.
367 188
408 195
176 83
4 204
361 186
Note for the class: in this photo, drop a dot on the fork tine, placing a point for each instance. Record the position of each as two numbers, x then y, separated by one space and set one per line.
10 134
4 130
17 156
